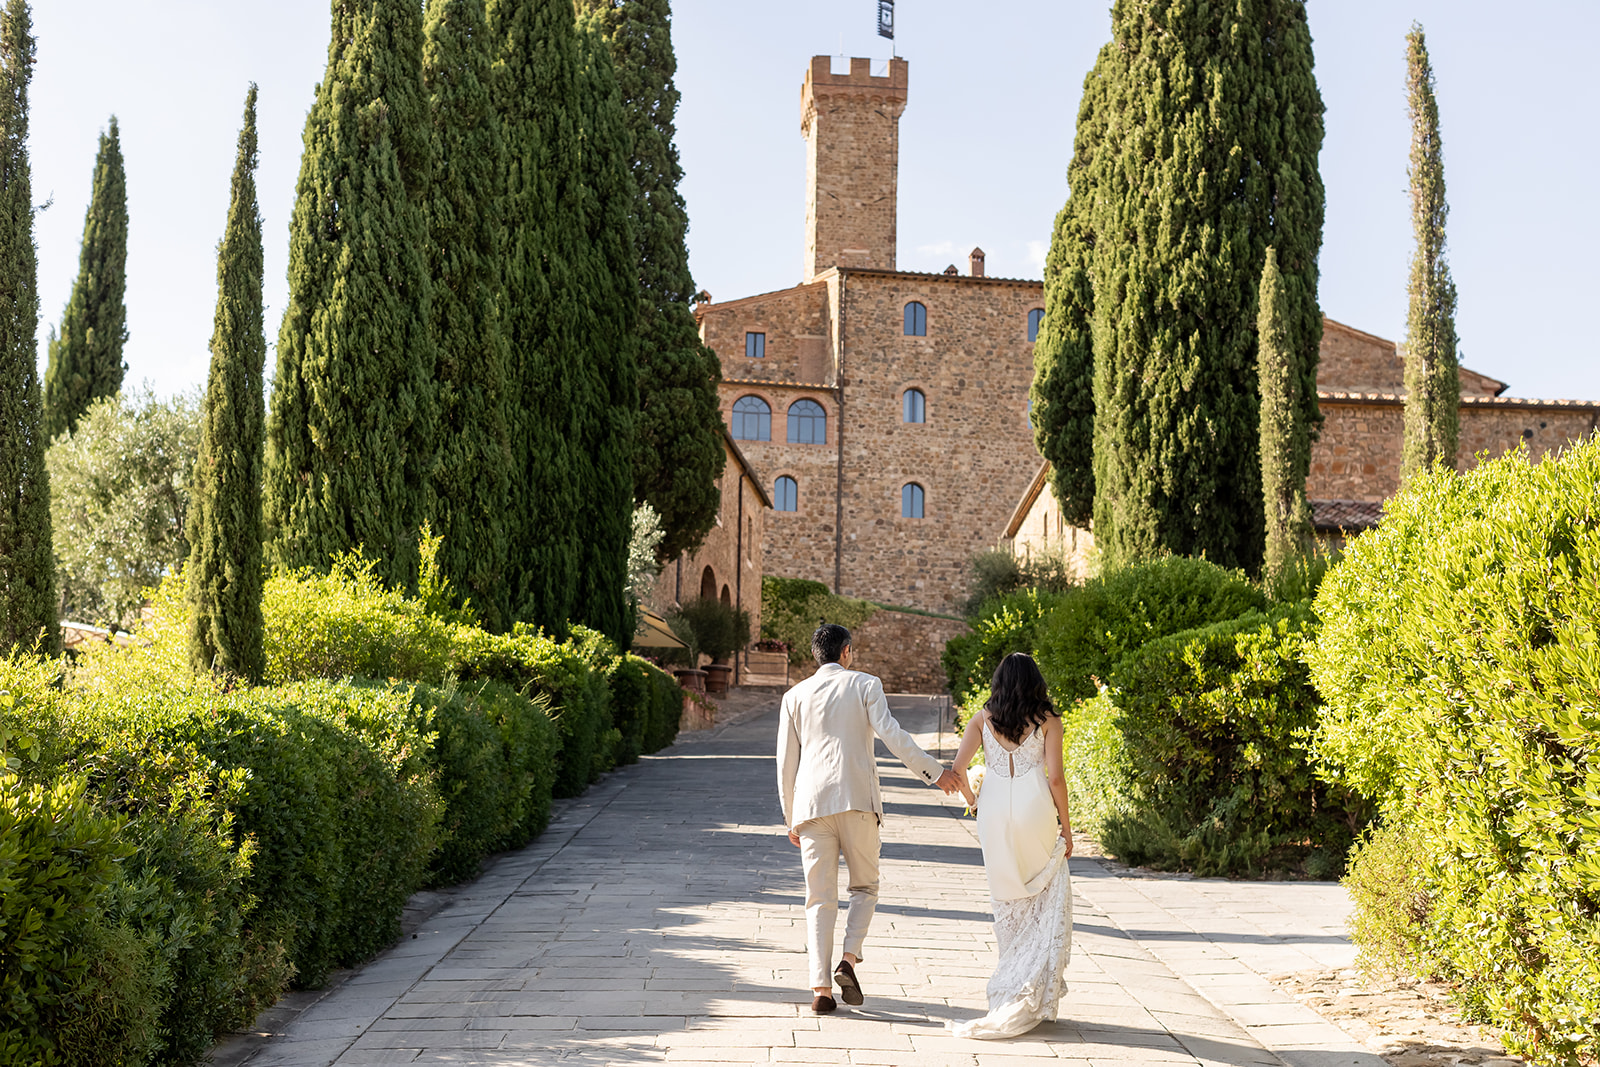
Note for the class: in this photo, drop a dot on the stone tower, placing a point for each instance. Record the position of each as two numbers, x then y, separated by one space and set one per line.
851 123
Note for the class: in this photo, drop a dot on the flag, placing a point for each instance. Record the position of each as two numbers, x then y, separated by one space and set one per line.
886 19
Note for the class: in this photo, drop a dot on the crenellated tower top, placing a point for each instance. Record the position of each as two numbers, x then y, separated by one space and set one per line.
851 123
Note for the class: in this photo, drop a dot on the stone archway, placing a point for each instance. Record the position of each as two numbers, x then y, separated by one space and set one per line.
708 584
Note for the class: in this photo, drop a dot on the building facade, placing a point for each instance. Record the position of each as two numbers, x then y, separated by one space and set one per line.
728 564
886 411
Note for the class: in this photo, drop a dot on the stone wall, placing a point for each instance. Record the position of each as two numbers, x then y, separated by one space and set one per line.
797 325
728 564
1358 455
1350 361
901 648
1038 528
974 454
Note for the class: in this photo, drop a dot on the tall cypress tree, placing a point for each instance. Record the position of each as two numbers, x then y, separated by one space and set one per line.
680 456
606 416
1063 354
472 477
85 356
1213 158
352 428
536 95
27 562
224 571
1432 376
1285 449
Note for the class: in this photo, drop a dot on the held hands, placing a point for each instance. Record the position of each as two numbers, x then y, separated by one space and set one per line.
948 781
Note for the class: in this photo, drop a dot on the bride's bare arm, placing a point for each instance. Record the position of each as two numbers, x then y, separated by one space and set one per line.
971 738
1055 773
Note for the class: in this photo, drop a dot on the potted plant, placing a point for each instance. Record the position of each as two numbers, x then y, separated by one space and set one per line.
719 631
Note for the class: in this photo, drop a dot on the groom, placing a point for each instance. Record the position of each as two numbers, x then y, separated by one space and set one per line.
832 804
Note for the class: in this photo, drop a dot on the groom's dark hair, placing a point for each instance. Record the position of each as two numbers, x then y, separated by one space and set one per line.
828 643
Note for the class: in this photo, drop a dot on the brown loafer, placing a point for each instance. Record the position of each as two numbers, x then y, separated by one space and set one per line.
849 988
822 1004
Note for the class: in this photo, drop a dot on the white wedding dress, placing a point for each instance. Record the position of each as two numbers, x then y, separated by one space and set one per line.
1029 887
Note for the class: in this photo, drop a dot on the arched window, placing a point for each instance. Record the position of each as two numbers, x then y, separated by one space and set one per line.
785 494
808 423
911 501
913 406
1035 319
727 597
708 584
752 419
916 320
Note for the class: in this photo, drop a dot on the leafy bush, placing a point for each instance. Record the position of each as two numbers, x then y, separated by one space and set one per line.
1005 625
1215 723
1095 760
792 608
347 623
1096 625
119 496
1000 571
1458 659
68 980
646 704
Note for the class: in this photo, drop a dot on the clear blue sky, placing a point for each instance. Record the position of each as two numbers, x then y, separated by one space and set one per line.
984 145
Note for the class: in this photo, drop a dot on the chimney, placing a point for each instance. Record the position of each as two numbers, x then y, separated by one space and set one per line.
975 262
851 123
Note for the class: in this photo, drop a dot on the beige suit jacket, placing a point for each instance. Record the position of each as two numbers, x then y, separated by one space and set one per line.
825 759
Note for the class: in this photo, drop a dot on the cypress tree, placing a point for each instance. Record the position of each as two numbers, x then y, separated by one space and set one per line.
610 402
1285 451
1063 354
535 86
85 356
472 477
351 430
679 458
224 521
27 562
1213 157
1432 376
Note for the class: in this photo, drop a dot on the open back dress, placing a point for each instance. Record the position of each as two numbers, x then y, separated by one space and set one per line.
1029 888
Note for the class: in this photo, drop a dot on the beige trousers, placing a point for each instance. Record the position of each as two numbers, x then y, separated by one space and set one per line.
853 835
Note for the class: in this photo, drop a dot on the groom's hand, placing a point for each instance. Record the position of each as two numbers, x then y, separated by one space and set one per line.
794 839
948 781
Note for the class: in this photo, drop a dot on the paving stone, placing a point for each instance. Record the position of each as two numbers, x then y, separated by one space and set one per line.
659 919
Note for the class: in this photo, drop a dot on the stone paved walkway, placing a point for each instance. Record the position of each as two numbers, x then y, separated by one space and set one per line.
660 919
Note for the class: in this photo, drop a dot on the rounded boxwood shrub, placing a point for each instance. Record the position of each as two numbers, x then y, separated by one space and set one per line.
1458 656
1215 724
1084 638
1004 625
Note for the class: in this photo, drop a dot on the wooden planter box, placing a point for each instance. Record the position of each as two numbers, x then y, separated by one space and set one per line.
766 668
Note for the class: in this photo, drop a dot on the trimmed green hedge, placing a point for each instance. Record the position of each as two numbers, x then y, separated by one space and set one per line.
1460 658
177 852
1004 625
1215 724
1093 627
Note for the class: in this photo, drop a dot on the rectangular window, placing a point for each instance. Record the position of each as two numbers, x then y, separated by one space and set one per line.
755 345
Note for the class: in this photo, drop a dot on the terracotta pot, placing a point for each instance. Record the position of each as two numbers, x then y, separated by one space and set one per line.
717 677
691 679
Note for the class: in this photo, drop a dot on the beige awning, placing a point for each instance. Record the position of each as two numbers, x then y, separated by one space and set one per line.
654 632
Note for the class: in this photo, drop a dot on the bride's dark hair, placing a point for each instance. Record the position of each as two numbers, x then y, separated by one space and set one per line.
1018 700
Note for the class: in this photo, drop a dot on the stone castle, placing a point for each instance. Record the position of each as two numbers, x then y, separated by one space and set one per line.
885 412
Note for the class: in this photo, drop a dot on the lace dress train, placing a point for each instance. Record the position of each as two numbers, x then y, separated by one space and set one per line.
1030 890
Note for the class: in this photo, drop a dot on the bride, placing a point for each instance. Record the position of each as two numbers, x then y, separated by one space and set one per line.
1026 832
